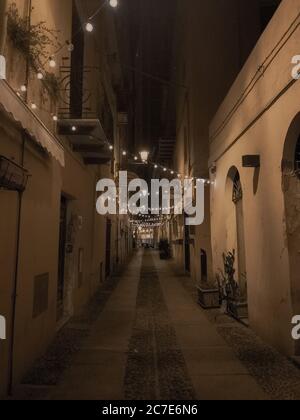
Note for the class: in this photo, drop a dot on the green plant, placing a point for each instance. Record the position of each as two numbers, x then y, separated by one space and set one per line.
33 41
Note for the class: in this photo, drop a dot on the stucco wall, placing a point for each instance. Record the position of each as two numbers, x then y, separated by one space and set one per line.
40 216
259 108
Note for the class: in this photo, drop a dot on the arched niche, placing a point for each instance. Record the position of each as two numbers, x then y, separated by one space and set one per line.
291 190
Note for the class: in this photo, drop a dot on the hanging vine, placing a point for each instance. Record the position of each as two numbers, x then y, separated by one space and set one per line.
34 42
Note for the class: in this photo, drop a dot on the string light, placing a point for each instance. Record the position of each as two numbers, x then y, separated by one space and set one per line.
74 128
52 62
113 3
40 75
89 27
23 88
33 106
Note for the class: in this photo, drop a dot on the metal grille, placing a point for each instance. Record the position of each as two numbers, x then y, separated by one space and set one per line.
237 194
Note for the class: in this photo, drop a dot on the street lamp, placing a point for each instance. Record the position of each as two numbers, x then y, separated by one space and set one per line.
144 156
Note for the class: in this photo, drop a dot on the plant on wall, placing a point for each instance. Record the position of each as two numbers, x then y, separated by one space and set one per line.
228 283
33 42
52 85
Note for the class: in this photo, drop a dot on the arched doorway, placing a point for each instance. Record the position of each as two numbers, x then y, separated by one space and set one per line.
291 190
235 226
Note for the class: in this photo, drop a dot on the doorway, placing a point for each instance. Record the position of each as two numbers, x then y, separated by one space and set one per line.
204 271
108 248
187 252
61 257
291 189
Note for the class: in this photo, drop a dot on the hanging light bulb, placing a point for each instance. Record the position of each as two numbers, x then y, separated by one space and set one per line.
33 106
52 62
55 118
155 166
135 158
89 27
40 75
23 88
124 153
113 3
111 147
70 46
165 169
74 128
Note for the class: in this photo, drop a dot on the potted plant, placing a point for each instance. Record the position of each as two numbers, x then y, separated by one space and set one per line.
209 295
236 301
164 249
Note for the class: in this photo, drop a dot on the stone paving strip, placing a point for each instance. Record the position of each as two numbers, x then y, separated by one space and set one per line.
156 368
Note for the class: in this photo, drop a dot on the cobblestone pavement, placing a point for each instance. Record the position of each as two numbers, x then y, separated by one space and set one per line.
49 369
143 336
156 367
276 374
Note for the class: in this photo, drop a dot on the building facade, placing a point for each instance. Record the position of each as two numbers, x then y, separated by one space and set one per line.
254 161
58 128
204 70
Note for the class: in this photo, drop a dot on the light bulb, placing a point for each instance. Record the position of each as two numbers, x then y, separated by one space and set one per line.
111 147
33 106
55 118
113 3
74 128
165 169
23 88
40 75
89 27
155 166
52 63
124 153
135 158
70 47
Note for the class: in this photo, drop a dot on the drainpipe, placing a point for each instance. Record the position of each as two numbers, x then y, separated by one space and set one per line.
3 24
15 283
16 272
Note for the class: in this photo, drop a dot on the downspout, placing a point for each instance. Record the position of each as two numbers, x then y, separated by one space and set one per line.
3 24
15 283
17 257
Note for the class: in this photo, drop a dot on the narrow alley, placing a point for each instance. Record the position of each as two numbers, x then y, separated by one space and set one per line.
149 201
145 338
